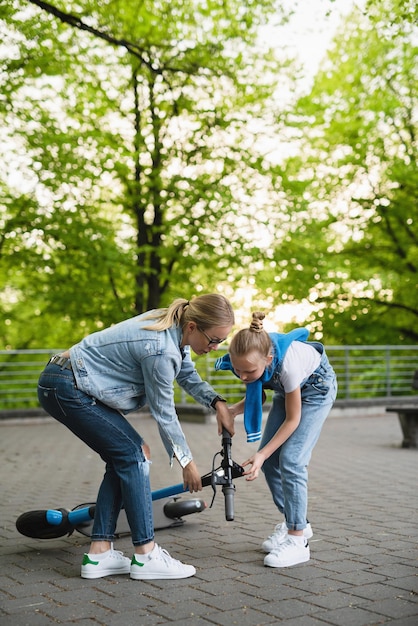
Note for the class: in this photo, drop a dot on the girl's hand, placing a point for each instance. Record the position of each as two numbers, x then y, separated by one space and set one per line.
256 462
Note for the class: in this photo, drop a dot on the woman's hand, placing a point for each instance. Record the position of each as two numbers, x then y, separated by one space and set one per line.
256 462
225 418
191 477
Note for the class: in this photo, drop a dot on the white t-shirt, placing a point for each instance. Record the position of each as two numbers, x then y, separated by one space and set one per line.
299 362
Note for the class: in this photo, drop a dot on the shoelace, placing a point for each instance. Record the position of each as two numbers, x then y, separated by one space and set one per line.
279 528
285 544
165 556
116 554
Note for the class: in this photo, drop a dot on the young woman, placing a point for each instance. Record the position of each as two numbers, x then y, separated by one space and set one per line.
305 388
91 387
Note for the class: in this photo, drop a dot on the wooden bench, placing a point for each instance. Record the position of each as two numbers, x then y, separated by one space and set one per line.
408 417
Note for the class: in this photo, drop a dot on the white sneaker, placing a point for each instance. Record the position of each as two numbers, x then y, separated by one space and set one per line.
287 553
159 564
280 534
113 563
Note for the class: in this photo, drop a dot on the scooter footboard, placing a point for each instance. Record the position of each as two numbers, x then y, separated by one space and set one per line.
167 513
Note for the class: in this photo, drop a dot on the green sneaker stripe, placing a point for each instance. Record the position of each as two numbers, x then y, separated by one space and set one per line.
135 562
87 560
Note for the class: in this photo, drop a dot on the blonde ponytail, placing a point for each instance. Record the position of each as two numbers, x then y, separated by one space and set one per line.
206 311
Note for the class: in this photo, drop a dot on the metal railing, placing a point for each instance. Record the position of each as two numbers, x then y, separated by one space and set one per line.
363 372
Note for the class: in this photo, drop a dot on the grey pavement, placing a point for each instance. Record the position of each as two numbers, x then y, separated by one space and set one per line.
363 509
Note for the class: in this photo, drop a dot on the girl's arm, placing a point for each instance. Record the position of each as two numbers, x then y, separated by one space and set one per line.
237 408
293 407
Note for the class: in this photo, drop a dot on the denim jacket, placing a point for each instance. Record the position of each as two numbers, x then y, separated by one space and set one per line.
126 367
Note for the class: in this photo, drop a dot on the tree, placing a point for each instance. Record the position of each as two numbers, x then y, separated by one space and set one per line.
138 169
350 251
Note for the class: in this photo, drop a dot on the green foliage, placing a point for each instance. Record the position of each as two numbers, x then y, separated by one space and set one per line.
349 249
127 123
134 168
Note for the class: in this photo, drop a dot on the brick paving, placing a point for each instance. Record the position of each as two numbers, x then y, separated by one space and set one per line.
363 509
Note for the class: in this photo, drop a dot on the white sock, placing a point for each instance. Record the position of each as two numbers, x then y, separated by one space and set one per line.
299 539
99 557
146 556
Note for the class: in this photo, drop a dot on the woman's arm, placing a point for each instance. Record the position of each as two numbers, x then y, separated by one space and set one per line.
159 373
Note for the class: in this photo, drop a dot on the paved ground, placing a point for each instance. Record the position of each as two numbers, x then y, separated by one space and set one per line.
363 509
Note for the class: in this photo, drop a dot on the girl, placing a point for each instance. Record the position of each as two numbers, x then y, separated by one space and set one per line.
91 387
305 388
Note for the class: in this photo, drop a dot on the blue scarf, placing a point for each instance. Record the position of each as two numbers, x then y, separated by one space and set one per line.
253 410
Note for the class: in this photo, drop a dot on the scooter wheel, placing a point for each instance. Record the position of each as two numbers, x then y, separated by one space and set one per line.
35 524
179 508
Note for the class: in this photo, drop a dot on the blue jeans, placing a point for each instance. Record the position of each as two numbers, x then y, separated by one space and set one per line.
107 432
286 470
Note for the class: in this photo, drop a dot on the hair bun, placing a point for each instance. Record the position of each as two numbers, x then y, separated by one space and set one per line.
257 322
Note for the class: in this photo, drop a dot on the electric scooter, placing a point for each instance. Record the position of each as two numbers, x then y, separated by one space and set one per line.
168 506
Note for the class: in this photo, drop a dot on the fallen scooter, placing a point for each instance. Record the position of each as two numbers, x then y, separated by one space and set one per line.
168 506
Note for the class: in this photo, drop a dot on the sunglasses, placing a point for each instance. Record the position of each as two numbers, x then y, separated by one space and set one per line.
211 342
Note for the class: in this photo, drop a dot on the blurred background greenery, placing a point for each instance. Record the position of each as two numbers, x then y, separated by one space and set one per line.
151 150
